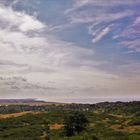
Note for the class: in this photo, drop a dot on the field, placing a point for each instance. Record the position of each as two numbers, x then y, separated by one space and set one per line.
103 121
50 126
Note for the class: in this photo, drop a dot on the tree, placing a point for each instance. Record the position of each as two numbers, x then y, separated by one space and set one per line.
75 123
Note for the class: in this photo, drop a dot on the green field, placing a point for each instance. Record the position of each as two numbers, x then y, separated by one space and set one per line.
50 126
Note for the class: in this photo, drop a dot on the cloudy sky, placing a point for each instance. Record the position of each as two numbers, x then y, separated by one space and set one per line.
70 50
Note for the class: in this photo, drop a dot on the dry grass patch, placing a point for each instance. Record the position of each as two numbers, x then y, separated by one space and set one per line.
3 116
56 126
118 127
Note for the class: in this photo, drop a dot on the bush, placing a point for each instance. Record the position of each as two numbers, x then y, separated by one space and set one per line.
75 123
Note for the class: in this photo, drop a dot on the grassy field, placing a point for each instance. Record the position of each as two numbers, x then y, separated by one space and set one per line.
50 126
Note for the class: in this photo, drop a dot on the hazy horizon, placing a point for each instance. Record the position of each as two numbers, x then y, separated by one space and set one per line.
70 50
81 101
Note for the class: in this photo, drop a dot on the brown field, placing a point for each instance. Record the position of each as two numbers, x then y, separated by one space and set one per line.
56 126
117 127
3 116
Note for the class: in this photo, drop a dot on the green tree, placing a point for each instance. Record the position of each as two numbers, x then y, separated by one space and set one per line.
75 123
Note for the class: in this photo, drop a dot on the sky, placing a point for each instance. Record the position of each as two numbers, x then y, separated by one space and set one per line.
70 50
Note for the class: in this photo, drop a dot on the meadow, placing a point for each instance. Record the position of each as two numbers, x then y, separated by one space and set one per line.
50 125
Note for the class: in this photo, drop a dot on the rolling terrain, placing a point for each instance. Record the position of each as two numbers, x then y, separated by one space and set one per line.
106 121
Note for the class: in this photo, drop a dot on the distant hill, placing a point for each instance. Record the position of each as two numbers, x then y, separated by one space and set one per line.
17 100
28 101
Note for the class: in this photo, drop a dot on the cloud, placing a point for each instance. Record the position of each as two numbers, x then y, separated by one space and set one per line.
80 3
97 15
99 4
34 63
17 20
129 36
101 35
10 63
137 21
36 52
37 47
132 45
104 16
16 84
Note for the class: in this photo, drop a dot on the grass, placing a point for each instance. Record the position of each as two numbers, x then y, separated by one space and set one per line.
40 126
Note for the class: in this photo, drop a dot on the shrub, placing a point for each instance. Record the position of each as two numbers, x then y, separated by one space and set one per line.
75 123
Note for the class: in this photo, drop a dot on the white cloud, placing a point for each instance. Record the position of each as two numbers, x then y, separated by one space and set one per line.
80 3
20 41
103 16
129 36
101 35
47 63
100 21
132 44
17 20
137 21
